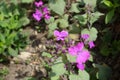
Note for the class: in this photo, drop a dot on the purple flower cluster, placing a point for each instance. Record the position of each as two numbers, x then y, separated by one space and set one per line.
60 35
41 11
81 54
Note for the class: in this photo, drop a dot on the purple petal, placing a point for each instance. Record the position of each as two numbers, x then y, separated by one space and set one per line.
91 44
81 66
56 33
64 33
45 10
85 36
72 51
37 15
83 56
80 46
47 16
38 4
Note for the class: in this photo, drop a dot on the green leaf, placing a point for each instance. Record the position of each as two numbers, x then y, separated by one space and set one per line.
66 16
92 3
27 1
94 17
104 72
83 75
57 6
10 38
1 16
24 21
92 33
53 77
74 8
71 58
52 26
2 38
12 52
62 23
91 58
45 54
74 77
109 16
107 3
81 18
58 67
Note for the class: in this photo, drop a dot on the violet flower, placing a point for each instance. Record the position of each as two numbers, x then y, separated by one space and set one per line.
85 36
37 15
47 16
60 35
45 10
74 50
91 44
38 4
81 66
81 54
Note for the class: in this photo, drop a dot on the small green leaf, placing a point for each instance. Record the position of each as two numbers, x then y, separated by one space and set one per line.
45 54
92 3
62 23
94 17
12 52
52 26
24 21
107 3
57 6
81 18
109 16
74 8
2 38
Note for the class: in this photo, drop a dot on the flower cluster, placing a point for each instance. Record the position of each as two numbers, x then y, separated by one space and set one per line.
81 54
41 11
60 35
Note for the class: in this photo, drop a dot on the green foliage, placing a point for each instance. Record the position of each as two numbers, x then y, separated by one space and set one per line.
104 72
57 69
92 3
3 72
83 75
109 16
74 8
12 38
57 6
113 5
